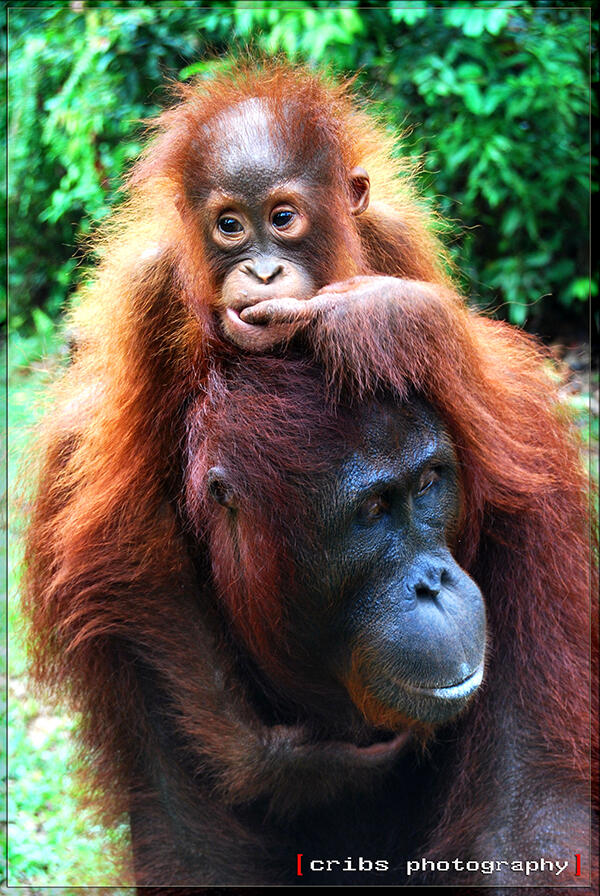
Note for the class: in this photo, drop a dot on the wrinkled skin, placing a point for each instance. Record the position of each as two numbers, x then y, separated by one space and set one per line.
396 622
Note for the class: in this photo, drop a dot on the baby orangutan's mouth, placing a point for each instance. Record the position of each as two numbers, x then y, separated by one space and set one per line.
233 319
259 294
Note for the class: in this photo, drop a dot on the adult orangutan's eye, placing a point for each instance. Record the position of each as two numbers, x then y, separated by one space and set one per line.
427 480
374 508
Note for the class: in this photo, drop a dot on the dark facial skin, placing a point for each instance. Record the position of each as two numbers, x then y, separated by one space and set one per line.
396 624
413 625
262 218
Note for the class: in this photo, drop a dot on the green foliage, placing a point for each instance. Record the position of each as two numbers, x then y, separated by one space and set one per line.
497 97
50 839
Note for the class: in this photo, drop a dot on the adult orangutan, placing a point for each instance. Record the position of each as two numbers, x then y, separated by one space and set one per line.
284 524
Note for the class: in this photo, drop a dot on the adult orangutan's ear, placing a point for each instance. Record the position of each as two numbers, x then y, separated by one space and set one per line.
220 488
360 186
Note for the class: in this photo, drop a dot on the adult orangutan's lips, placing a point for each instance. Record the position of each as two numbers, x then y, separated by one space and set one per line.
452 692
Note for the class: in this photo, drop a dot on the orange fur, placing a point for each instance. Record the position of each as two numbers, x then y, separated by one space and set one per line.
109 582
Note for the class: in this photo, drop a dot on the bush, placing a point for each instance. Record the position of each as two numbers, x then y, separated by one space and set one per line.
497 100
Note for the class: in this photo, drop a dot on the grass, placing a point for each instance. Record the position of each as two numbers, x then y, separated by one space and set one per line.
51 841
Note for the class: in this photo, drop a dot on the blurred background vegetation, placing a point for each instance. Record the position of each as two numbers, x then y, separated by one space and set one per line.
493 98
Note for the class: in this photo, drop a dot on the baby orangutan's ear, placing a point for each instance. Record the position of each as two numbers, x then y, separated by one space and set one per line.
360 186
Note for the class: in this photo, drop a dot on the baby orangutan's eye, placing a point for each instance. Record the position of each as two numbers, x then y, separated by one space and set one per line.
282 218
229 225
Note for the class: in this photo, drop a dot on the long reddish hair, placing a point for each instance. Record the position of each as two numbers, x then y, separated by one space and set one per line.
109 581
